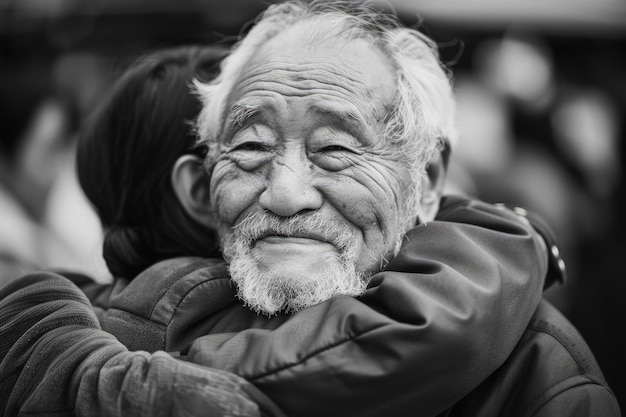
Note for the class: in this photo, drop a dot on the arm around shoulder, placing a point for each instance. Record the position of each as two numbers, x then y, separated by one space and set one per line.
421 336
54 359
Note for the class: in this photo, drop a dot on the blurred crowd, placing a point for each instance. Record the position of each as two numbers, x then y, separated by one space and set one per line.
541 120
541 123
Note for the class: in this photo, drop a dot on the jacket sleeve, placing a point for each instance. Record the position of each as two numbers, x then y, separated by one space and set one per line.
445 313
55 360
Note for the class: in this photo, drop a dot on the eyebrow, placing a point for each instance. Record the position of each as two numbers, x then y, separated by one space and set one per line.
240 113
345 116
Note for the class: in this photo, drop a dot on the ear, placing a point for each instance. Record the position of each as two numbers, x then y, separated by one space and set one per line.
432 187
191 185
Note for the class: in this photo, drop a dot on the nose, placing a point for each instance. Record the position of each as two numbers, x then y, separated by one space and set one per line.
289 190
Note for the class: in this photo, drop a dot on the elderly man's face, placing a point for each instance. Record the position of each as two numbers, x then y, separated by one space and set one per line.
309 195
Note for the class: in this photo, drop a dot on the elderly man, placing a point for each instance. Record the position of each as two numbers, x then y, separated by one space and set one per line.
326 134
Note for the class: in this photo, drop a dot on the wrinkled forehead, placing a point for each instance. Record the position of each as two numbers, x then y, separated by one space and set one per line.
305 62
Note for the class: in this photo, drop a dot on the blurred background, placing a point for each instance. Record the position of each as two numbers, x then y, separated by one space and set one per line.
542 102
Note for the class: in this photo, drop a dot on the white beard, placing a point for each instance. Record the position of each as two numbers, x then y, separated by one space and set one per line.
272 291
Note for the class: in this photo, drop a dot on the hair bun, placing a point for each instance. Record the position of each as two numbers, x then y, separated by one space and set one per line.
126 251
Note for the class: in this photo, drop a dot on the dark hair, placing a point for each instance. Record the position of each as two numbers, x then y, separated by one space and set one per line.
126 153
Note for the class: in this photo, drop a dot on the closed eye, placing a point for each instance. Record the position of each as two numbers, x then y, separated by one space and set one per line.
250 146
334 148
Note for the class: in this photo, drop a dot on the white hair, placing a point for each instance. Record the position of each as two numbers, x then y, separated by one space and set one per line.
422 115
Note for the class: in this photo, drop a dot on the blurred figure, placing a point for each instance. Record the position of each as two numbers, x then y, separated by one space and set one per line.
538 143
39 120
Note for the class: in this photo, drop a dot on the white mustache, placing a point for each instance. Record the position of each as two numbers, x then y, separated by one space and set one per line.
259 225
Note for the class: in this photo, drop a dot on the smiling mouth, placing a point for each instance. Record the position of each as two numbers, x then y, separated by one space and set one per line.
304 236
290 239
293 244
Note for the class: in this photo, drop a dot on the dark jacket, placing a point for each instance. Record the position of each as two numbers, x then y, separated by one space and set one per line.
551 373
420 338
